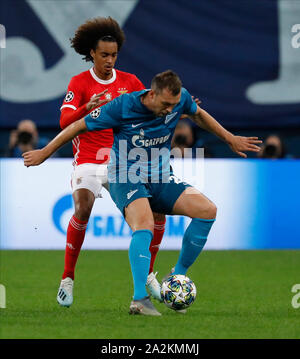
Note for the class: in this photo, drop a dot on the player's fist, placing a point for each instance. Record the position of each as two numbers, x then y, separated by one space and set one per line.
33 158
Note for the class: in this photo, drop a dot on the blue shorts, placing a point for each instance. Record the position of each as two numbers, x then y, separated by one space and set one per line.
162 196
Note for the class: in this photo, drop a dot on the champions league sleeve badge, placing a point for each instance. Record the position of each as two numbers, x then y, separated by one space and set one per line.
69 96
96 113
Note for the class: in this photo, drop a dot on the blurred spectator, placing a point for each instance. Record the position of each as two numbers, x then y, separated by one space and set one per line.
273 148
184 137
25 138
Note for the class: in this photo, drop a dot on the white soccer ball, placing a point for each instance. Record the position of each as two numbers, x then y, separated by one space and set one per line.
178 292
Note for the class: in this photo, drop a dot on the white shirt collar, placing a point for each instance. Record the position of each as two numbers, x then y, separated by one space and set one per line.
103 82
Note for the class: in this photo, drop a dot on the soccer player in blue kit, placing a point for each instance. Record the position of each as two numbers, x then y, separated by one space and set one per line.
139 174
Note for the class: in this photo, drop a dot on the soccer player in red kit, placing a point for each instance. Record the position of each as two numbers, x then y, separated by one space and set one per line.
99 40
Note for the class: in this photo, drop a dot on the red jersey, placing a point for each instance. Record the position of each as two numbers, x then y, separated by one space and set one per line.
81 88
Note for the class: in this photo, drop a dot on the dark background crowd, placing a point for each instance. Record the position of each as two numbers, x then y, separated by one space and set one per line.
277 144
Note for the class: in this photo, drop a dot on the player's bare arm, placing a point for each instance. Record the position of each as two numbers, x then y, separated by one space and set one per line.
238 144
35 158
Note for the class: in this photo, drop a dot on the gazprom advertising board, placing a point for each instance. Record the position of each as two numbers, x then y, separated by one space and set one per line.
258 206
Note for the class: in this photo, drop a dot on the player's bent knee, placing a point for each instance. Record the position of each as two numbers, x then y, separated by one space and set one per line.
149 225
82 212
209 212
145 224
212 211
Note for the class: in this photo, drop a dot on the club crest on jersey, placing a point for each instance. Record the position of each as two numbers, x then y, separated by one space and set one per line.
96 113
122 90
69 96
108 96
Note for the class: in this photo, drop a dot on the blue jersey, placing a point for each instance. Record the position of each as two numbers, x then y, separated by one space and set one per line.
142 141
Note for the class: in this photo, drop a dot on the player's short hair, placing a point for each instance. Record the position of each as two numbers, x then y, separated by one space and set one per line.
100 28
167 79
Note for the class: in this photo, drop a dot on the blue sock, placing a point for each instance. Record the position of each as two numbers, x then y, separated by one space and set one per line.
139 257
193 241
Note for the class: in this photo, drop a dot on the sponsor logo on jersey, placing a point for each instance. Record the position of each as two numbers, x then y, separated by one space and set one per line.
96 113
69 96
140 141
108 96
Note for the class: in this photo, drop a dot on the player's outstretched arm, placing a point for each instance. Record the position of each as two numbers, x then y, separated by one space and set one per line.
36 157
238 144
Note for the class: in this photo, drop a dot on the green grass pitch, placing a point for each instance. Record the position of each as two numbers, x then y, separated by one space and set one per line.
240 294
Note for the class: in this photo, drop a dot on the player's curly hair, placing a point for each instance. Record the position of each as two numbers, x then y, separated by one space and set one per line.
100 28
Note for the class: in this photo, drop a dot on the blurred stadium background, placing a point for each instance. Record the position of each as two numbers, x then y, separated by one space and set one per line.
241 58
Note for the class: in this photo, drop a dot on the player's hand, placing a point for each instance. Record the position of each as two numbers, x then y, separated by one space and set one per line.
240 144
198 104
95 101
196 99
33 158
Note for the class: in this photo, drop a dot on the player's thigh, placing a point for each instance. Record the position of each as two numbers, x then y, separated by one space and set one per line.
89 176
194 204
125 193
138 215
164 195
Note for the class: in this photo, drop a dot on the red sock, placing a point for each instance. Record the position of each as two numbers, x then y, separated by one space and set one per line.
75 237
159 230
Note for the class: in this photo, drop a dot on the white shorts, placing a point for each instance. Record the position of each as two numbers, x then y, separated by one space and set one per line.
90 176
